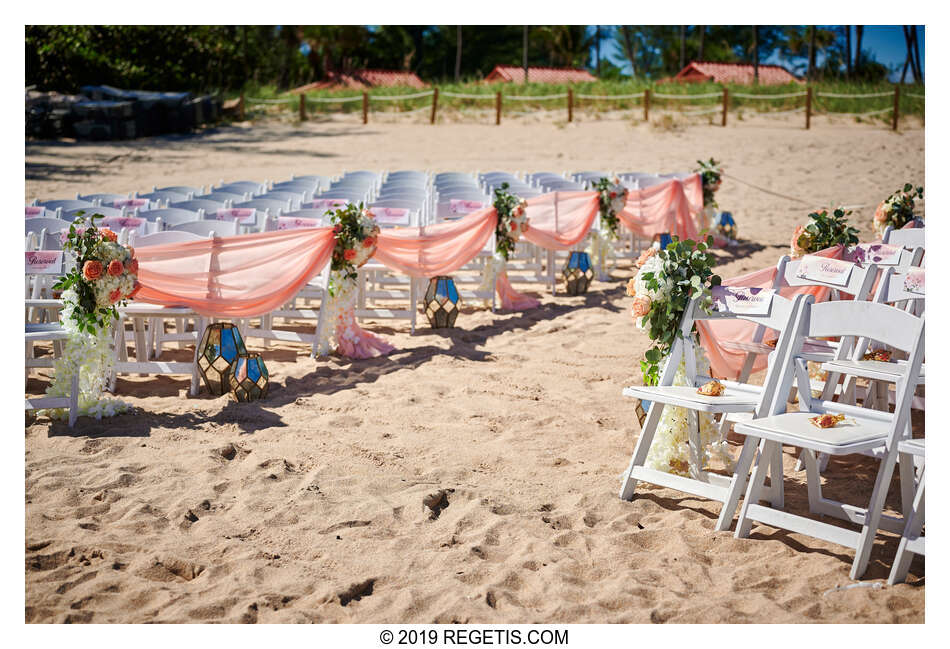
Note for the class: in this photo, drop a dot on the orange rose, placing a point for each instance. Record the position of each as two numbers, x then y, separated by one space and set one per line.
632 287
132 265
115 295
92 269
135 289
646 254
115 268
514 226
797 250
641 306
108 234
349 254
369 242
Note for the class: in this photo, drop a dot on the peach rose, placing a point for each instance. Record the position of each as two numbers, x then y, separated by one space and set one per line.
115 295
880 214
132 265
646 254
369 242
108 234
641 306
349 254
797 250
92 269
115 268
632 287
613 195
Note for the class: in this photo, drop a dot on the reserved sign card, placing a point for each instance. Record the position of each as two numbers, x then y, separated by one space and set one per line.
458 206
391 215
296 223
130 222
882 254
130 202
328 203
44 262
243 215
822 269
33 211
914 281
741 299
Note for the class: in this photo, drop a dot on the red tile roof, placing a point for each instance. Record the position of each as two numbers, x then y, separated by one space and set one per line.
742 73
515 73
365 79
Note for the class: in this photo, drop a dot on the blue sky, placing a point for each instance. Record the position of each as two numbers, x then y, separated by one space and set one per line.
885 42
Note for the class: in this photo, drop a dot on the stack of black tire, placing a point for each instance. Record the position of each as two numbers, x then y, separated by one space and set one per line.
106 113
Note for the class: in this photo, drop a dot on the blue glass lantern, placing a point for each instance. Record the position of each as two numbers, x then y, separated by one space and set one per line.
726 226
442 302
578 273
220 345
665 240
249 378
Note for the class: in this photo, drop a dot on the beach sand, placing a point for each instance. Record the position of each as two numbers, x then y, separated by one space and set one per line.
472 475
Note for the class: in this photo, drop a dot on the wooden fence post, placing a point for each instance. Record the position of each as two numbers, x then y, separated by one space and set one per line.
303 107
365 107
435 105
497 108
241 106
808 108
646 105
725 104
897 104
570 104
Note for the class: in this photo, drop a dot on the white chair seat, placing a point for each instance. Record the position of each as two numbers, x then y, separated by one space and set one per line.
733 400
46 331
913 446
874 370
795 428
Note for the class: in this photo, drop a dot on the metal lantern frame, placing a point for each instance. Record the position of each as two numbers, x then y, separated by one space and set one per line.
578 273
442 302
221 344
249 379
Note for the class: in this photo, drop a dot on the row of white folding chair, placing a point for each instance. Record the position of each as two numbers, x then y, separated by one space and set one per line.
907 237
851 319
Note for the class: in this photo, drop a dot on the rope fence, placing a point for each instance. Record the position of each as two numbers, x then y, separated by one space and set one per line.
811 104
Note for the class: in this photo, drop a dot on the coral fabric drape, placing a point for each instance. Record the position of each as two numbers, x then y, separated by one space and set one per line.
436 249
247 275
722 339
666 207
561 225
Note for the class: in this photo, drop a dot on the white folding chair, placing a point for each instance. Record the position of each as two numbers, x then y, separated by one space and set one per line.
907 237
864 429
316 289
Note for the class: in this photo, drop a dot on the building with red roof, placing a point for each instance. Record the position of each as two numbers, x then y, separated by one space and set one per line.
515 74
739 73
363 79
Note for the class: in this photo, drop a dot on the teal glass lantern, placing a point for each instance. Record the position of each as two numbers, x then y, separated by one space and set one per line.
442 302
249 379
220 345
665 240
578 273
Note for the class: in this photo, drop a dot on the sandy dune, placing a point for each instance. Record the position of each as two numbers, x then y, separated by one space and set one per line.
471 476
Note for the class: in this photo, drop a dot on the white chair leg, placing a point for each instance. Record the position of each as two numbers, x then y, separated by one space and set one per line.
736 485
813 476
908 483
642 449
915 523
754 492
777 477
872 517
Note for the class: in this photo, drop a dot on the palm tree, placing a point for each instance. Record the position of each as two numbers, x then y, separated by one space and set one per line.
524 57
755 53
458 52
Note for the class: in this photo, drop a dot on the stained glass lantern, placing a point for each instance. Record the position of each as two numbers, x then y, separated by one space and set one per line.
219 347
442 302
726 226
665 240
578 273
249 379
642 409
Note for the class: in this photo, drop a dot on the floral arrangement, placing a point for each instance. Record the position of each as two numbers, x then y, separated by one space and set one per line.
823 231
104 276
512 220
613 197
666 282
711 174
896 210
356 234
